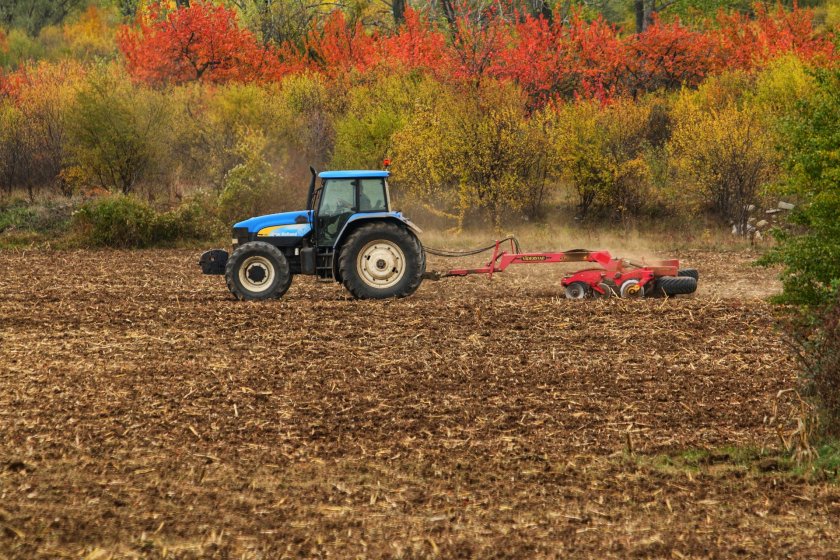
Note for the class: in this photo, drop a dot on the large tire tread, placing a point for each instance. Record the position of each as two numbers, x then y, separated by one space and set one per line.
676 285
284 276
412 249
689 273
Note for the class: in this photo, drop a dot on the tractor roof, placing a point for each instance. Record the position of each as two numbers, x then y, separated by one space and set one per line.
355 174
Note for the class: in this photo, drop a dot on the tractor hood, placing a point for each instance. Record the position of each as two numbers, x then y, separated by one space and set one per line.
285 224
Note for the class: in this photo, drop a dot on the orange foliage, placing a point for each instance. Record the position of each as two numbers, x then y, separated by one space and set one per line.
746 43
549 60
670 56
201 43
417 44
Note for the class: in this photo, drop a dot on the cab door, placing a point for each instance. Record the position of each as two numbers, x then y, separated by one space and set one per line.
336 203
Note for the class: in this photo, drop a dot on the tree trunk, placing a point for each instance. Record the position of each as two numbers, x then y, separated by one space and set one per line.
639 8
182 3
650 9
449 13
398 10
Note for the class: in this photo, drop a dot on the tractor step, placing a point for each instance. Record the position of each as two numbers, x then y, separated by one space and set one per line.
324 267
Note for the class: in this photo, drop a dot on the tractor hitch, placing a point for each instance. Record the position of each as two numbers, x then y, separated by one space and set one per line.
213 261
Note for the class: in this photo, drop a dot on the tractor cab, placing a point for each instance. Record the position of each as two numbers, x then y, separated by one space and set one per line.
343 195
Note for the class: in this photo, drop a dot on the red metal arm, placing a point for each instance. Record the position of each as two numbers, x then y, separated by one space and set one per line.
503 259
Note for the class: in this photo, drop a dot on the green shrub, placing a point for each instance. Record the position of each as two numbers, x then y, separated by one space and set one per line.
808 247
194 220
16 216
252 187
128 222
116 221
50 217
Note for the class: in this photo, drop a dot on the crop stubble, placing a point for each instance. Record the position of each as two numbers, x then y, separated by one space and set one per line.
145 413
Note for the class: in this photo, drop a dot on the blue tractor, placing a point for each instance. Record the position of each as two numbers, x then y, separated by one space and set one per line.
348 233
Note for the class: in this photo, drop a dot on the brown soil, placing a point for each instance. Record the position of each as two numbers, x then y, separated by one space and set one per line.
144 413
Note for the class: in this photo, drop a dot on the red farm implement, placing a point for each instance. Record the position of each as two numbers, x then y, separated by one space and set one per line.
610 277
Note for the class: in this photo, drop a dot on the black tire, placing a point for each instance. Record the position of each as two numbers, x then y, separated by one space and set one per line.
689 273
676 285
394 248
259 258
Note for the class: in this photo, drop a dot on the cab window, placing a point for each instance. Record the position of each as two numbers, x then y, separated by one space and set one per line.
337 204
338 197
372 196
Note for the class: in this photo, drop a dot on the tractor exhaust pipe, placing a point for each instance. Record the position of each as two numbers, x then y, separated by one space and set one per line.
311 192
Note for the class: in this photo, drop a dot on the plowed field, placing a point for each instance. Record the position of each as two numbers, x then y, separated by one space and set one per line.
144 413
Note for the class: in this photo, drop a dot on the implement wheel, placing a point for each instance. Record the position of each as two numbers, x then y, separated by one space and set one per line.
632 289
257 271
577 290
689 273
676 285
381 260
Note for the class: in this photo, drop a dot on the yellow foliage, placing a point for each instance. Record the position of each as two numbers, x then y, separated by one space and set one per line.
781 85
832 14
471 152
726 153
601 152
92 34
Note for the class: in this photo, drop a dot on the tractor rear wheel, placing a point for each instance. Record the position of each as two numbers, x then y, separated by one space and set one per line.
257 271
381 260
676 285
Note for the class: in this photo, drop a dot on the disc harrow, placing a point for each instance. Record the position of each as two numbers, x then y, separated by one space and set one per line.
610 277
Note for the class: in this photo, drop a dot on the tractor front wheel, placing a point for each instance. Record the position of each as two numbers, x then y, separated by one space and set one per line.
381 260
257 271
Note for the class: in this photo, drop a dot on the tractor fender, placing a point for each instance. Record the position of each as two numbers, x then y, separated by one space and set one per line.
360 219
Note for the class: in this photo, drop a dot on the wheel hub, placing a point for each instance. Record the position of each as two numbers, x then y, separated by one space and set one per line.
256 273
632 289
381 264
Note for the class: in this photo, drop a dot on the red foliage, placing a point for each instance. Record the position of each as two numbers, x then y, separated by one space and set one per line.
579 59
202 42
563 59
670 56
745 43
417 44
12 83
337 47
477 46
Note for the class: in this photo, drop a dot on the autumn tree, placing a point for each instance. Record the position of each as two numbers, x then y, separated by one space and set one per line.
727 151
553 59
601 149
417 44
375 113
746 43
281 22
470 152
44 97
669 56
200 42
118 132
